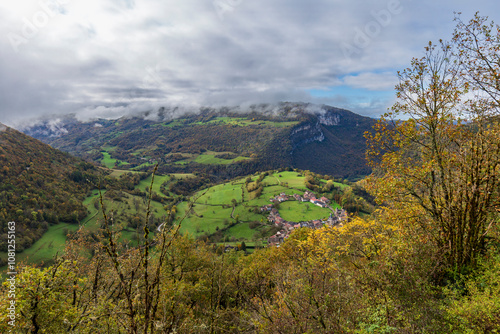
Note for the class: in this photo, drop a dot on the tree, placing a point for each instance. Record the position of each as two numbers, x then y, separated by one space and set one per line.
439 168
478 53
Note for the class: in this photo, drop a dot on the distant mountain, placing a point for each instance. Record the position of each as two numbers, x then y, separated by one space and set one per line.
332 143
222 143
39 185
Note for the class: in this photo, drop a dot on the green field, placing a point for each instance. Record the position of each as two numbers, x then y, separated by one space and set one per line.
158 181
212 159
221 194
203 218
171 124
128 205
52 242
208 212
237 121
120 172
54 239
242 121
108 161
212 211
302 211
240 231
294 180
146 164
209 158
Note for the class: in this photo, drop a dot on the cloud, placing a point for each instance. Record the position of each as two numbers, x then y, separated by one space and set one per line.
105 58
372 81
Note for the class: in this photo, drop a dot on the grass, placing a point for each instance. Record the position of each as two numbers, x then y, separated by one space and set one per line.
240 231
206 217
159 180
245 213
107 160
221 194
295 180
212 159
146 183
119 172
237 121
146 164
54 240
203 218
43 250
209 158
208 214
302 211
173 123
242 121
125 207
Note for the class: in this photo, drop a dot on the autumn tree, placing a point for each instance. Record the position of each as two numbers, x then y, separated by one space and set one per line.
438 165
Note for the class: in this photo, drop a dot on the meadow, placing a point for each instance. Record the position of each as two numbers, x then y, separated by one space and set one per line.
209 158
231 207
227 207
44 249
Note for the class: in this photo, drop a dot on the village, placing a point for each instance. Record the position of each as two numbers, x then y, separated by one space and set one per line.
336 218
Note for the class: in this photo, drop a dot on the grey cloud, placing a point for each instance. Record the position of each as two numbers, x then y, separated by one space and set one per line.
103 58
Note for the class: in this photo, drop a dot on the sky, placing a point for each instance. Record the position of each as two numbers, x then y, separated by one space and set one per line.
109 58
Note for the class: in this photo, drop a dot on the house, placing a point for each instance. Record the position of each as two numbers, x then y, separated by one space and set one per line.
276 239
268 207
324 200
279 221
317 224
308 195
319 203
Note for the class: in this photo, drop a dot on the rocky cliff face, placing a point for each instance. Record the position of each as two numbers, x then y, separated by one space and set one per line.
306 133
312 131
331 142
329 118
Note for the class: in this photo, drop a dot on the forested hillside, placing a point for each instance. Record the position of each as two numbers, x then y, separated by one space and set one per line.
39 186
221 143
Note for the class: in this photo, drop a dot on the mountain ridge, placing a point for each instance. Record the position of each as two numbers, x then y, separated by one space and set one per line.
261 137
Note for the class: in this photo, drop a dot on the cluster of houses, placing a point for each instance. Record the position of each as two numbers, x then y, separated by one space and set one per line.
336 217
307 197
310 197
151 160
